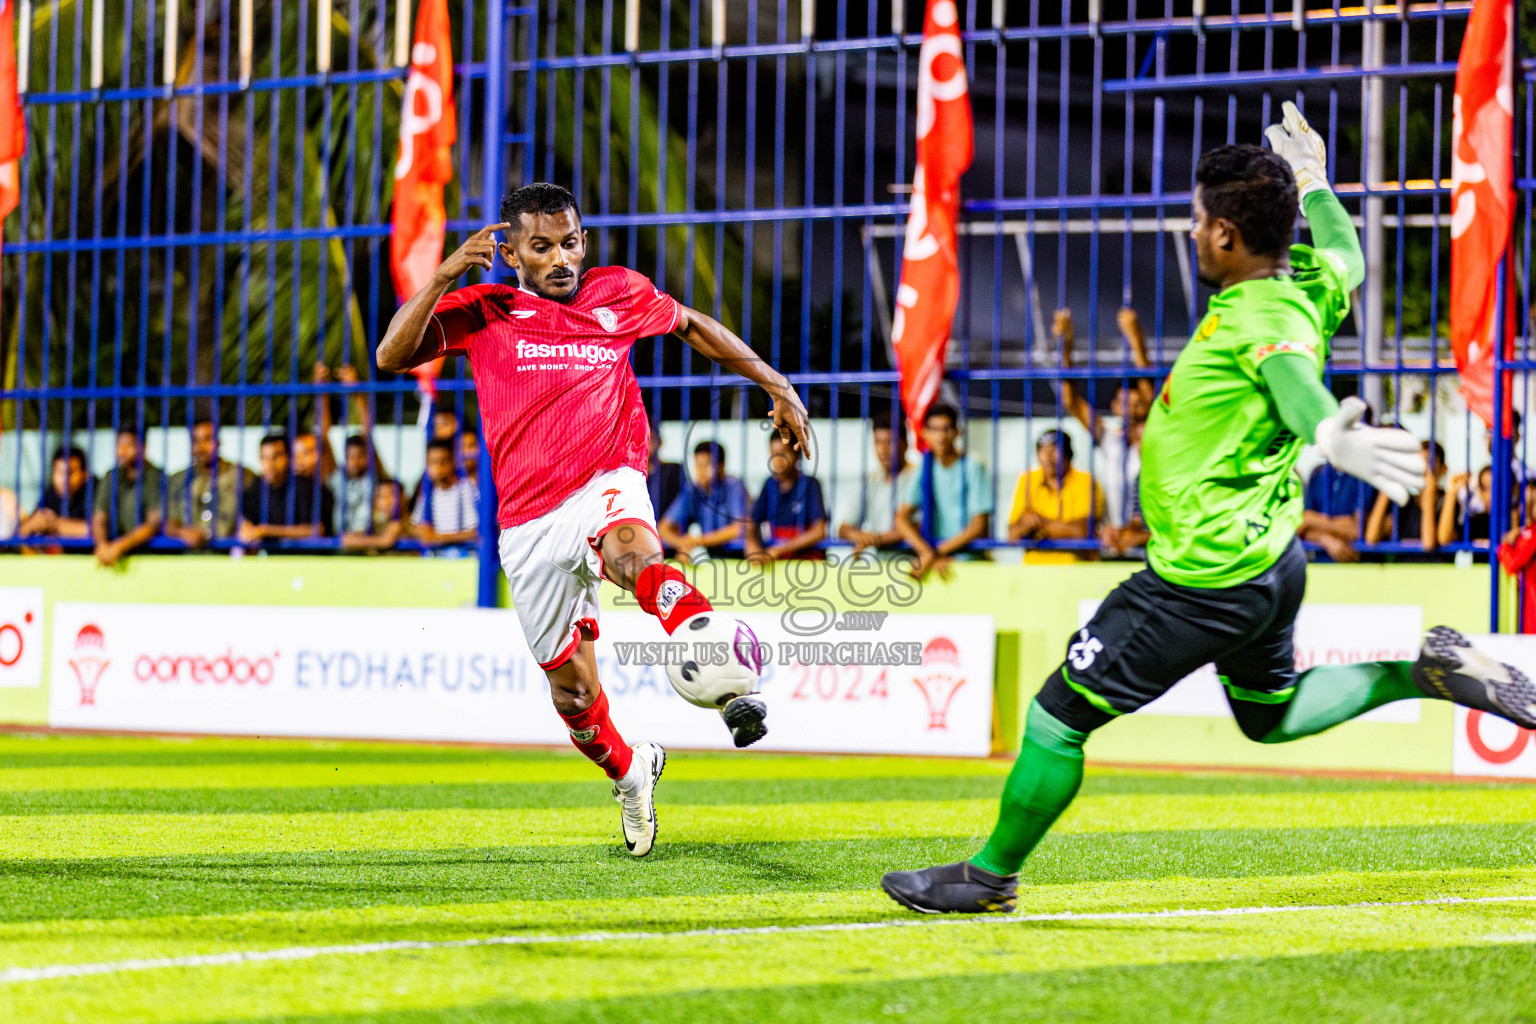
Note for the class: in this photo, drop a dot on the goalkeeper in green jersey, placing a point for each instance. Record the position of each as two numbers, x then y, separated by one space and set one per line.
1220 496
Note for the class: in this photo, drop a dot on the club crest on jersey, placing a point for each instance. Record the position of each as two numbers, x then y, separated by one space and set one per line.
1209 327
607 318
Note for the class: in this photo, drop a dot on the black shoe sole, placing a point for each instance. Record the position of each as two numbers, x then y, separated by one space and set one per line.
745 717
1499 697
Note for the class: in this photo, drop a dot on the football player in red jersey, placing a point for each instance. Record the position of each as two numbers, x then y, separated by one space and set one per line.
569 442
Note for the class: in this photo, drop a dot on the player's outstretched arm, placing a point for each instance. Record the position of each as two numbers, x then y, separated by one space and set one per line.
1389 459
712 339
1332 231
405 342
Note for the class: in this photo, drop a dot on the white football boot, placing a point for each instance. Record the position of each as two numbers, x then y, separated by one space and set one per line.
636 794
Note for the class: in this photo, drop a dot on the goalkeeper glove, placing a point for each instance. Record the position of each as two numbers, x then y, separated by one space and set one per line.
1301 147
1387 458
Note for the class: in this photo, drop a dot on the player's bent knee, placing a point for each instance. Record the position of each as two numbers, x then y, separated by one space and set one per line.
1068 706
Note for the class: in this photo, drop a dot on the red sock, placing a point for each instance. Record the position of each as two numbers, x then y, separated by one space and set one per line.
594 735
665 592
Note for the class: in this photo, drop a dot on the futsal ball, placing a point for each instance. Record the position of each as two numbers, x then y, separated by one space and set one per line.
722 660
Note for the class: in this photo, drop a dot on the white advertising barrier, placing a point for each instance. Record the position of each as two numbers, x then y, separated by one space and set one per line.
1326 634
1487 744
467 675
21 636
824 693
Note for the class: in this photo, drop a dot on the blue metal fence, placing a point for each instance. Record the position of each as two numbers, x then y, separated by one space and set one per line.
206 199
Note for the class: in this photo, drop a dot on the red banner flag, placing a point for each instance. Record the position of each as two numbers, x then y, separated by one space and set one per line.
930 270
1482 200
13 127
428 128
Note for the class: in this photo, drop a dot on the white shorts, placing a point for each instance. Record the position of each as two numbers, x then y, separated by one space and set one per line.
553 563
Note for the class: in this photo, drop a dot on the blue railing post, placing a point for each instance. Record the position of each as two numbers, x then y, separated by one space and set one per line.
492 177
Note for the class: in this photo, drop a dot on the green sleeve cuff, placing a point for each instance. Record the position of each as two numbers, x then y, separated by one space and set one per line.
1299 396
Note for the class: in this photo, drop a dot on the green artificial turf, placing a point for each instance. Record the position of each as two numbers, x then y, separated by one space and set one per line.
117 851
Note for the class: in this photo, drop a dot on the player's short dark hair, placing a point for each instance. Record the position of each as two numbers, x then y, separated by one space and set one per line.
540 197
1254 188
945 410
202 418
275 438
1060 438
128 429
441 444
357 441
73 454
712 449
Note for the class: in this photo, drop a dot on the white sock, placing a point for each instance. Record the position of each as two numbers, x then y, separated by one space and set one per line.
633 778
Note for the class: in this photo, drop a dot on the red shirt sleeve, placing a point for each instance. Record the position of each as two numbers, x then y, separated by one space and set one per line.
459 316
651 310
1517 557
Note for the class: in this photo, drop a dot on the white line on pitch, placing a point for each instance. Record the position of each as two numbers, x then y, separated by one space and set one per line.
18 974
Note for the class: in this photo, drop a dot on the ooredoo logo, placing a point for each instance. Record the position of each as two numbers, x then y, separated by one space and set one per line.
940 679
12 643
89 661
228 667
1492 754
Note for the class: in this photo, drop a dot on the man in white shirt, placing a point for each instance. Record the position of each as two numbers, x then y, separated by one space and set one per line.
868 520
448 508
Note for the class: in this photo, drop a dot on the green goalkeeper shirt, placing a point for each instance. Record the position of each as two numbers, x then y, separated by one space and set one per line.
1218 489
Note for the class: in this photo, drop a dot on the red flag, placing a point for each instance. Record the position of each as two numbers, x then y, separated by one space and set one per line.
13 127
930 270
428 128
1482 200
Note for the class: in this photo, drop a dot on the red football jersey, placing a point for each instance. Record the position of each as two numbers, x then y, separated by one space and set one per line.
558 399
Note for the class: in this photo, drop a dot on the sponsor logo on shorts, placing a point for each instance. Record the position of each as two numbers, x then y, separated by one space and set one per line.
583 735
668 595
607 318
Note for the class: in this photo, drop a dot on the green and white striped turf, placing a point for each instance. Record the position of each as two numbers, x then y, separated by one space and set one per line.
243 880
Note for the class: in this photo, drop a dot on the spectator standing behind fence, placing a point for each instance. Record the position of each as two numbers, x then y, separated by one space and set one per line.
870 521
1517 554
282 504
948 505
1464 516
1118 463
65 510
1418 521
716 504
10 513
128 509
1331 516
1055 501
203 500
469 455
353 482
1129 538
791 506
384 526
447 510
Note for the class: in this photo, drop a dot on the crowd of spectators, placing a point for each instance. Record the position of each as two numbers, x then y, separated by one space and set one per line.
299 497
1066 506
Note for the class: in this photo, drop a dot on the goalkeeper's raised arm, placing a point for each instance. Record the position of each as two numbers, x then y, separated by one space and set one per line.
1295 141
